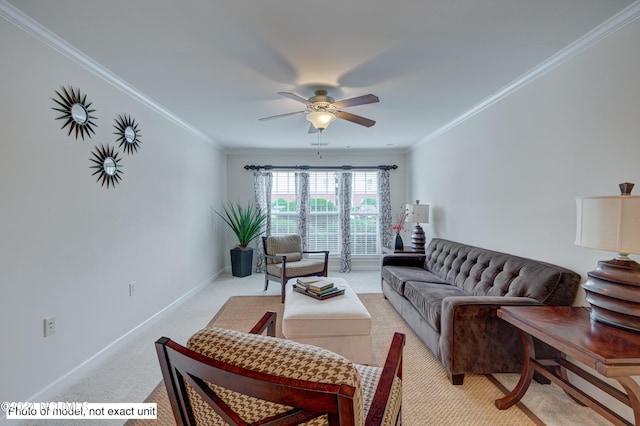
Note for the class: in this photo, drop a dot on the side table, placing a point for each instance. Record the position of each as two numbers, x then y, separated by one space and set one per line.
611 351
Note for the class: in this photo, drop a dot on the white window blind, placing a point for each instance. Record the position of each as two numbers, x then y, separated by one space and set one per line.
284 219
323 221
364 213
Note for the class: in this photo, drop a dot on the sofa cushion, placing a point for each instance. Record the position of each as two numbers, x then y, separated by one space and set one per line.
397 276
427 299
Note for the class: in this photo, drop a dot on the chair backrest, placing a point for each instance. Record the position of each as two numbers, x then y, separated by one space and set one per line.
289 245
229 377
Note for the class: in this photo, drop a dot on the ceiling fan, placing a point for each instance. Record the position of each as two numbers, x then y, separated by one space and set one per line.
323 109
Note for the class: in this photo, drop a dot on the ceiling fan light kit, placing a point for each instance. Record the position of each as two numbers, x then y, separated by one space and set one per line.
322 109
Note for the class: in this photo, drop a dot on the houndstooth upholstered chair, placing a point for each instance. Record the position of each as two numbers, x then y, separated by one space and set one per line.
228 377
286 259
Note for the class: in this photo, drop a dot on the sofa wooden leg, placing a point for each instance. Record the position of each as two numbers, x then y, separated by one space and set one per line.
456 379
266 283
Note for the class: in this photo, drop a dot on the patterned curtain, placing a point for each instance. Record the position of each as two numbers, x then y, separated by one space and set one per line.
385 214
262 183
344 215
302 206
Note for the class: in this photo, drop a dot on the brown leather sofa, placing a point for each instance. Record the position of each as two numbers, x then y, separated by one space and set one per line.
449 296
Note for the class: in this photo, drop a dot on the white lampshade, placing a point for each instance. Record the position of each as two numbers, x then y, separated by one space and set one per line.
320 119
418 213
609 223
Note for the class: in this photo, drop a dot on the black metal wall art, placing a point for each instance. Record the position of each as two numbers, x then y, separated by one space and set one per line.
107 165
128 133
76 111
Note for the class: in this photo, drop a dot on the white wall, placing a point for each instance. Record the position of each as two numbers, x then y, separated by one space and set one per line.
240 181
69 247
507 178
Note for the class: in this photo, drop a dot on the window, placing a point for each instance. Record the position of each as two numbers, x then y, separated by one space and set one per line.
364 213
324 226
284 219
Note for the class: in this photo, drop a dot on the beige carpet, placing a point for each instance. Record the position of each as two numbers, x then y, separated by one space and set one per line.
428 397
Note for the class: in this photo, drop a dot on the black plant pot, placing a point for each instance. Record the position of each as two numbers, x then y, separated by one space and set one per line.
241 261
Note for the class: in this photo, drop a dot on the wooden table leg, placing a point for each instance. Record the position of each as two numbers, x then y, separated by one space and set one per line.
525 377
562 373
633 392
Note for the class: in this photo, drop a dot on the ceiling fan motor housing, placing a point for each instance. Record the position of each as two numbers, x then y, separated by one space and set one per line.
321 101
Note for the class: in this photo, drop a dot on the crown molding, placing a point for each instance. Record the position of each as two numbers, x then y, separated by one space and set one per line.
602 31
43 34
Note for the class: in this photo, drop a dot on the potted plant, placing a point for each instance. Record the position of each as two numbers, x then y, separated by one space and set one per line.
247 224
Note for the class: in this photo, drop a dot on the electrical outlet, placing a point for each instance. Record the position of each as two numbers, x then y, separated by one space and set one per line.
49 326
132 288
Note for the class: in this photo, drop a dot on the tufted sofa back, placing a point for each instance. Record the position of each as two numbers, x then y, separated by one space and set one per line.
484 272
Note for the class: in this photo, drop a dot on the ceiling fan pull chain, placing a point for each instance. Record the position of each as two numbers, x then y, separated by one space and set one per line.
319 155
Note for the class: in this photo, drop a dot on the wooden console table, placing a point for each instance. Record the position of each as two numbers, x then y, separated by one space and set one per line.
611 351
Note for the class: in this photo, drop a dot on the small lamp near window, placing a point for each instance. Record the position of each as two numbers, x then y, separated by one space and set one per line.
417 213
612 223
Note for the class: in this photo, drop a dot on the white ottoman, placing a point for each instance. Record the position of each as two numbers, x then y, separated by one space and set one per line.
340 324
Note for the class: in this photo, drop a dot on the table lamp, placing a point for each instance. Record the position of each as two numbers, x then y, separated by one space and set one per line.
612 223
417 213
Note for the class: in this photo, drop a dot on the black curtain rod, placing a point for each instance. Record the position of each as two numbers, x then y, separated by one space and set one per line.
269 167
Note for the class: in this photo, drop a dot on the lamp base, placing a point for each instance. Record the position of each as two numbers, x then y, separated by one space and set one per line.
417 238
613 291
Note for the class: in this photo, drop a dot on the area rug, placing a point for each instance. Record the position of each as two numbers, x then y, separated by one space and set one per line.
428 398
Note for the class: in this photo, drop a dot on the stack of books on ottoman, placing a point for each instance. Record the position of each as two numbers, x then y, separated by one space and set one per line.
317 287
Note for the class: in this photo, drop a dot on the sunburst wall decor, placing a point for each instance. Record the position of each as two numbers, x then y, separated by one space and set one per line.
107 165
76 111
128 133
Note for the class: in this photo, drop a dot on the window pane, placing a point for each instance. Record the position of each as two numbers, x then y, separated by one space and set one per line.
323 223
284 219
364 213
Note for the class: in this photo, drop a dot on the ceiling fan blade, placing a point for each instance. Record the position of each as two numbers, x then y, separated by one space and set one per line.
312 129
359 100
282 115
294 97
355 118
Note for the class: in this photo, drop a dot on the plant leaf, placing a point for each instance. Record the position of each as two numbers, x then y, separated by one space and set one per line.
245 222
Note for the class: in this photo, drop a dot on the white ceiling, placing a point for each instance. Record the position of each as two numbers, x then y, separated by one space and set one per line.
218 65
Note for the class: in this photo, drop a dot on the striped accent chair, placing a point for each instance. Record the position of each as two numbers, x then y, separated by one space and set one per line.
228 377
285 259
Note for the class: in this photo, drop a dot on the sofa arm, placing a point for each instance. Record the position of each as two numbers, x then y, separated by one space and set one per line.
474 340
404 260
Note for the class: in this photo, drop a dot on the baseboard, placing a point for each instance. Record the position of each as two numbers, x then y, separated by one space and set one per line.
79 372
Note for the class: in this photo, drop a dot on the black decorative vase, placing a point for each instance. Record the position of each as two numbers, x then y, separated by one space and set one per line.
241 261
399 244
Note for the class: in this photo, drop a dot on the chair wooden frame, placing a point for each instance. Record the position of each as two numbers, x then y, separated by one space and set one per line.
283 259
308 399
